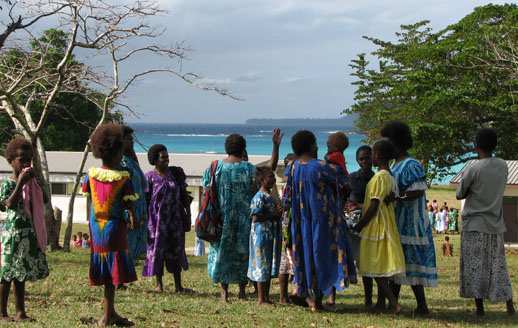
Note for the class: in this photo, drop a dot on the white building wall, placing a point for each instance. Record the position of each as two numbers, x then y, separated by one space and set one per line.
80 214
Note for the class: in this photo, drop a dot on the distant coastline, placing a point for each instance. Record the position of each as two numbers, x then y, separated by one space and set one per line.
346 120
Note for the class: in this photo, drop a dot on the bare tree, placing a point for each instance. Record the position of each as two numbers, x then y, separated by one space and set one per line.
102 31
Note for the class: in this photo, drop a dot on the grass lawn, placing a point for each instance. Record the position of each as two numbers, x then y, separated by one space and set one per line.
65 295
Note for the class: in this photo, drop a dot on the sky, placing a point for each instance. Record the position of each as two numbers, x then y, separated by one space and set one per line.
284 58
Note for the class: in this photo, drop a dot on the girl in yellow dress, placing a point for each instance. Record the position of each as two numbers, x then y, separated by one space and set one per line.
380 255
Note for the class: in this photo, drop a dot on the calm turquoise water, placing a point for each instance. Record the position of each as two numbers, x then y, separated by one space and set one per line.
206 138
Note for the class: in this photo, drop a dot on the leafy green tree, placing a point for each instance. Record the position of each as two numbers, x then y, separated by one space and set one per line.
73 116
445 85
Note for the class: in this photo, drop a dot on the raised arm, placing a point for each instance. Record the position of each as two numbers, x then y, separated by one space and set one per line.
276 139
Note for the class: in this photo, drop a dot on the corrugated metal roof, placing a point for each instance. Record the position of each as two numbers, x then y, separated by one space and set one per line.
194 165
512 178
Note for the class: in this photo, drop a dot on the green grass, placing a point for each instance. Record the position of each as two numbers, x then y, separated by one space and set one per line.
65 295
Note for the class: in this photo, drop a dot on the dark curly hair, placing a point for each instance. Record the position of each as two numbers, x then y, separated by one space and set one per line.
486 139
261 172
398 133
126 130
106 141
302 141
235 145
384 148
14 145
154 152
290 157
340 140
363 148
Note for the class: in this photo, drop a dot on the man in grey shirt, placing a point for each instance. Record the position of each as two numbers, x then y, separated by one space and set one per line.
483 267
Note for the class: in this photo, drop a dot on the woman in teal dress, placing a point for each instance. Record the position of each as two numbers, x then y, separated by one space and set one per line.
415 230
321 258
228 258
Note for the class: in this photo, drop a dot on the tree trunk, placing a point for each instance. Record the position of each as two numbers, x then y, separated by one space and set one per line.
58 215
70 215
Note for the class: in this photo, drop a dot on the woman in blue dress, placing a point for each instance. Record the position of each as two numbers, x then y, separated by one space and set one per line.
228 258
321 258
415 231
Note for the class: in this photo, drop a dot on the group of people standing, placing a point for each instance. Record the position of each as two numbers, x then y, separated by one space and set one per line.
326 225
443 219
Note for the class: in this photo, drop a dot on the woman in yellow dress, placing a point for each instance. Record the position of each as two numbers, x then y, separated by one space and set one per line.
380 255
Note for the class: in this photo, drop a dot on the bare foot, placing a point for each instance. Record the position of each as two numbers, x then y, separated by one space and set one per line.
397 309
224 297
6 318
265 304
285 301
159 289
242 296
23 317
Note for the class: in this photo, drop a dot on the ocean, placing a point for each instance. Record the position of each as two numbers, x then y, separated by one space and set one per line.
210 138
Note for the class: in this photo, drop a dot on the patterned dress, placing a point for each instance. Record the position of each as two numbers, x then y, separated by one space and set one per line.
380 253
415 231
137 240
110 262
166 238
265 240
228 258
322 258
22 258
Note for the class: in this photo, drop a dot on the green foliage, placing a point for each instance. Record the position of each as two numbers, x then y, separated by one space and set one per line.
445 85
73 116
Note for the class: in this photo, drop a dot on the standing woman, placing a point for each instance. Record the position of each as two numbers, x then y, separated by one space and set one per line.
228 257
136 238
166 236
483 267
415 231
321 260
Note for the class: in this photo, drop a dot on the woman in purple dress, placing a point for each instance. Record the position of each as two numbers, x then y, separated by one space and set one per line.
166 237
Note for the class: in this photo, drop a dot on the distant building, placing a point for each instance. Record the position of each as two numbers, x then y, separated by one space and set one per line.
510 199
63 167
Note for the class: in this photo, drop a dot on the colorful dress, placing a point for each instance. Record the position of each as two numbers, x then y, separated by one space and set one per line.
322 258
380 253
265 240
166 238
110 262
228 258
22 258
453 221
137 239
415 231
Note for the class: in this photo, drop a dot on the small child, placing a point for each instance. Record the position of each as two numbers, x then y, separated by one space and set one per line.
265 236
111 192
23 248
447 247
380 255
86 243
199 247
337 143
74 241
286 266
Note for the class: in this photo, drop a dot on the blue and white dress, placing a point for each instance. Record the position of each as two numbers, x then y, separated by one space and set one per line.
415 231
265 240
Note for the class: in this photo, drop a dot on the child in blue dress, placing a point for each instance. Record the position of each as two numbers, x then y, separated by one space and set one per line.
265 236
